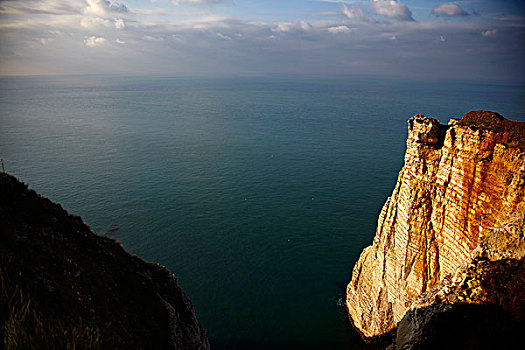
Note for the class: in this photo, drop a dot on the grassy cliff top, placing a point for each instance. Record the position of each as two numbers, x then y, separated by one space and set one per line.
512 132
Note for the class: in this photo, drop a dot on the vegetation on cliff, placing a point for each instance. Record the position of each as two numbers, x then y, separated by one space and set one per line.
65 287
512 133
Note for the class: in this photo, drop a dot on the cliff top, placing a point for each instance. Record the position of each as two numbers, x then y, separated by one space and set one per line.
512 132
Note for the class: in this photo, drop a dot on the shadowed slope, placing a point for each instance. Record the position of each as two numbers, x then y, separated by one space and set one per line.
65 276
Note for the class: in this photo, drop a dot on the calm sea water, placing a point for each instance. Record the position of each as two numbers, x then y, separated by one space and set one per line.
258 193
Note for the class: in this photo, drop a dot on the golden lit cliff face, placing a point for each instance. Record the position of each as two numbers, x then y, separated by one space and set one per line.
458 182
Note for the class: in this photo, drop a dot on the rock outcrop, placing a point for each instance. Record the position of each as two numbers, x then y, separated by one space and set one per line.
65 287
456 211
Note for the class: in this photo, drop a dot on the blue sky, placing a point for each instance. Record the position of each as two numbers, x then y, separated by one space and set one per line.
470 39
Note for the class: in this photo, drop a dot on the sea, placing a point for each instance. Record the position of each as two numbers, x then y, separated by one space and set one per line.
259 193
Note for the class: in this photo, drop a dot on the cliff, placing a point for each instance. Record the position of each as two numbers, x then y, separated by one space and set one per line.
65 287
449 232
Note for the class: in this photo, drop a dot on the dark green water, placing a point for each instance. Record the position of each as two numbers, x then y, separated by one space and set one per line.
259 194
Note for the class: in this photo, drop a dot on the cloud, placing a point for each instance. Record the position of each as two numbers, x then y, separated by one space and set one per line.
391 8
93 41
45 7
305 25
339 29
449 10
118 7
355 12
93 22
488 32
283 27
198 2
44 41
152 38
103 7
292 26
119 23
180 40
224 37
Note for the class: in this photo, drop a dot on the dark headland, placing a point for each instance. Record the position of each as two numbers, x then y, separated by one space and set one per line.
65 287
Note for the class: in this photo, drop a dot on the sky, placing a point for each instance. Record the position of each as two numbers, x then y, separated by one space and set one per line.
467 40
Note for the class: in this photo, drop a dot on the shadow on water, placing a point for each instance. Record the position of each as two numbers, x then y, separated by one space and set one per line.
351 340
342 286
222 344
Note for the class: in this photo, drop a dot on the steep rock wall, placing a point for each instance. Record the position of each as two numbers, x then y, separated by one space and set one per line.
458 182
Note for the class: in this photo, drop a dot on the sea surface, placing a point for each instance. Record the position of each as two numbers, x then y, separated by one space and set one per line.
258 193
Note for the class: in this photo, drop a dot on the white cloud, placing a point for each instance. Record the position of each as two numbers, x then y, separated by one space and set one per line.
152 38
355 12
43 7
103 7
178 38
93 41
119 23
118 7
351 40
100 13
44 41
224 37
489 32
449 10
291 26
391 8
198 2
339 29
282 27
93 22
305 25
96 7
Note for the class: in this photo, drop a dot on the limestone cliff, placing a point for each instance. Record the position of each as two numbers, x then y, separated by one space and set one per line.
461 186
63 287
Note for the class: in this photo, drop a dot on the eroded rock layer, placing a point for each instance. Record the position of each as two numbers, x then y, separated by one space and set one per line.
459 183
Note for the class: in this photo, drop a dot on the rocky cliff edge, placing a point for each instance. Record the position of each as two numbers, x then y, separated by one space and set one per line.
450 239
